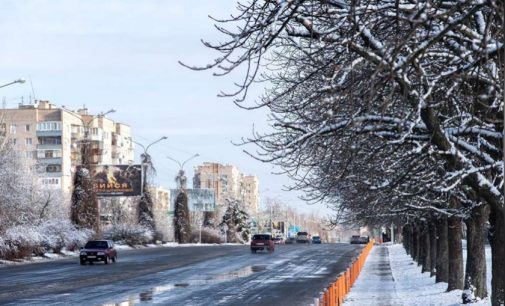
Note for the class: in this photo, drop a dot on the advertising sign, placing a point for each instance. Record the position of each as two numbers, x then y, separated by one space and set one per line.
199 199
117 180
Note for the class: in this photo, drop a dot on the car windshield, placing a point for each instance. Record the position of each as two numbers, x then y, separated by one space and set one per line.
96 245
261 237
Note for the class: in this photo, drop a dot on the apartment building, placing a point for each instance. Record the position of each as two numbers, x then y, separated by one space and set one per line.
50 138
228 182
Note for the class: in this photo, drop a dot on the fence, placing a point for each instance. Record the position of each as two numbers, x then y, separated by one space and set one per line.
335 293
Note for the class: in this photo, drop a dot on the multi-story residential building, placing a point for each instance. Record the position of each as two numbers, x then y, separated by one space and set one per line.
51 137
250 185
228 182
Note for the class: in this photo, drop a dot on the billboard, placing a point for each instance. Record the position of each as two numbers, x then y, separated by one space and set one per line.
199 199
117 180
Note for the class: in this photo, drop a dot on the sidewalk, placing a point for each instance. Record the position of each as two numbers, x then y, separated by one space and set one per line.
391 277
375 284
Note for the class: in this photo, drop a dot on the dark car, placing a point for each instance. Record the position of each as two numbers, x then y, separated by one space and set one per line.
290 240
355 240
98 250
316 240
278 240
262 242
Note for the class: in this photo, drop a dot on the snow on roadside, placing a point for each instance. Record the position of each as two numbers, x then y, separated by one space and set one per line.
416 288
65 254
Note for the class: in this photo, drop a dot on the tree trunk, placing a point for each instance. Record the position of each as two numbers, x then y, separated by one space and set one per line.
433 248
455 254
426 252
442 261
406 239
497 240
475 272
415 242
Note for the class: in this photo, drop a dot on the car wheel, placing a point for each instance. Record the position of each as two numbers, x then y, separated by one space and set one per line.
114 259
253 251
106 260
83 262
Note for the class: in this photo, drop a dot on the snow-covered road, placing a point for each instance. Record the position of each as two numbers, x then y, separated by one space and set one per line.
202 275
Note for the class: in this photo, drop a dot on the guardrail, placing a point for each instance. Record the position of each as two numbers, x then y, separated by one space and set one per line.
335 293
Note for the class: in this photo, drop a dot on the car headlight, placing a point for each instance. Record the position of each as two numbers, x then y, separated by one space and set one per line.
100 253
83 253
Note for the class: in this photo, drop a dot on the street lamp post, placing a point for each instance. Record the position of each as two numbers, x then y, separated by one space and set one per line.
85 210
180 176
146 215
20 81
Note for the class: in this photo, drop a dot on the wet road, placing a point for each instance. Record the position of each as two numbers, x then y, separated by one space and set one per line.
197 275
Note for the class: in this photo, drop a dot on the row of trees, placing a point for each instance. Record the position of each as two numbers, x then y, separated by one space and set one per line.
389 111
32 217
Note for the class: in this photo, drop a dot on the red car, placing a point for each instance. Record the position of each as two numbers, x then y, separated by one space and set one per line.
98 250
262 242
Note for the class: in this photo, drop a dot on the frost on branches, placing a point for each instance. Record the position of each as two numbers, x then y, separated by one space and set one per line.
389 111
32 219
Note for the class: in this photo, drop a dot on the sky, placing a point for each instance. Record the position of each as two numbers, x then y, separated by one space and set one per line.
124 55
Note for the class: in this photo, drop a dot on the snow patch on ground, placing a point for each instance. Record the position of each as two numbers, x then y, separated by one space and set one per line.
408 286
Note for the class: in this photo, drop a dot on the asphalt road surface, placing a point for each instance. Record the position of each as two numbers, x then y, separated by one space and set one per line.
193 275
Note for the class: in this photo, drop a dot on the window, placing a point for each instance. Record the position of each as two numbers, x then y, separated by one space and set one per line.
12 141
28 141
50 140
48 153
27 127
13 129
53 168
49 126
29 154
50 181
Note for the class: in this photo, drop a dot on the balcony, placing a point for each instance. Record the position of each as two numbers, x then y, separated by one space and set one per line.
50 160
49 147
52 133
53 174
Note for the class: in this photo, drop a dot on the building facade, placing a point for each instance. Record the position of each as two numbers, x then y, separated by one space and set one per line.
50 139
228 183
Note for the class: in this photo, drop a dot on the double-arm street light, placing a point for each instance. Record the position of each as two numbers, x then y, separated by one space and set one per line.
20 81
146 158
85 210
145 209
180 176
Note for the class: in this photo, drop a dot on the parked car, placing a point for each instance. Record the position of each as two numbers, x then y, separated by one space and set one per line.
355 239
98 250
302 237
316 240
262 242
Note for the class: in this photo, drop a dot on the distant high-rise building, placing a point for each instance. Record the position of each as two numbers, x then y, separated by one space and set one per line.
228 182
50 138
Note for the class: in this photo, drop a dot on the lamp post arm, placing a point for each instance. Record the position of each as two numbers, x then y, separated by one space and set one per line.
194 156
138 143
180 165
154 142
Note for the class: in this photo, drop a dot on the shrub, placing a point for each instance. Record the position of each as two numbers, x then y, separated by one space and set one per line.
209 235
24 240
130 234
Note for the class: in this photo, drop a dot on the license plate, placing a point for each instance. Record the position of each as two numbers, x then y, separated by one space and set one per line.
91 256
259 244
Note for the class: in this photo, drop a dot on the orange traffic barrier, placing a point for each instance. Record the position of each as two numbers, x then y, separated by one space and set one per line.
335 293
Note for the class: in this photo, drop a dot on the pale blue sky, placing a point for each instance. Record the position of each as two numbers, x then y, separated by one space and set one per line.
123 55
